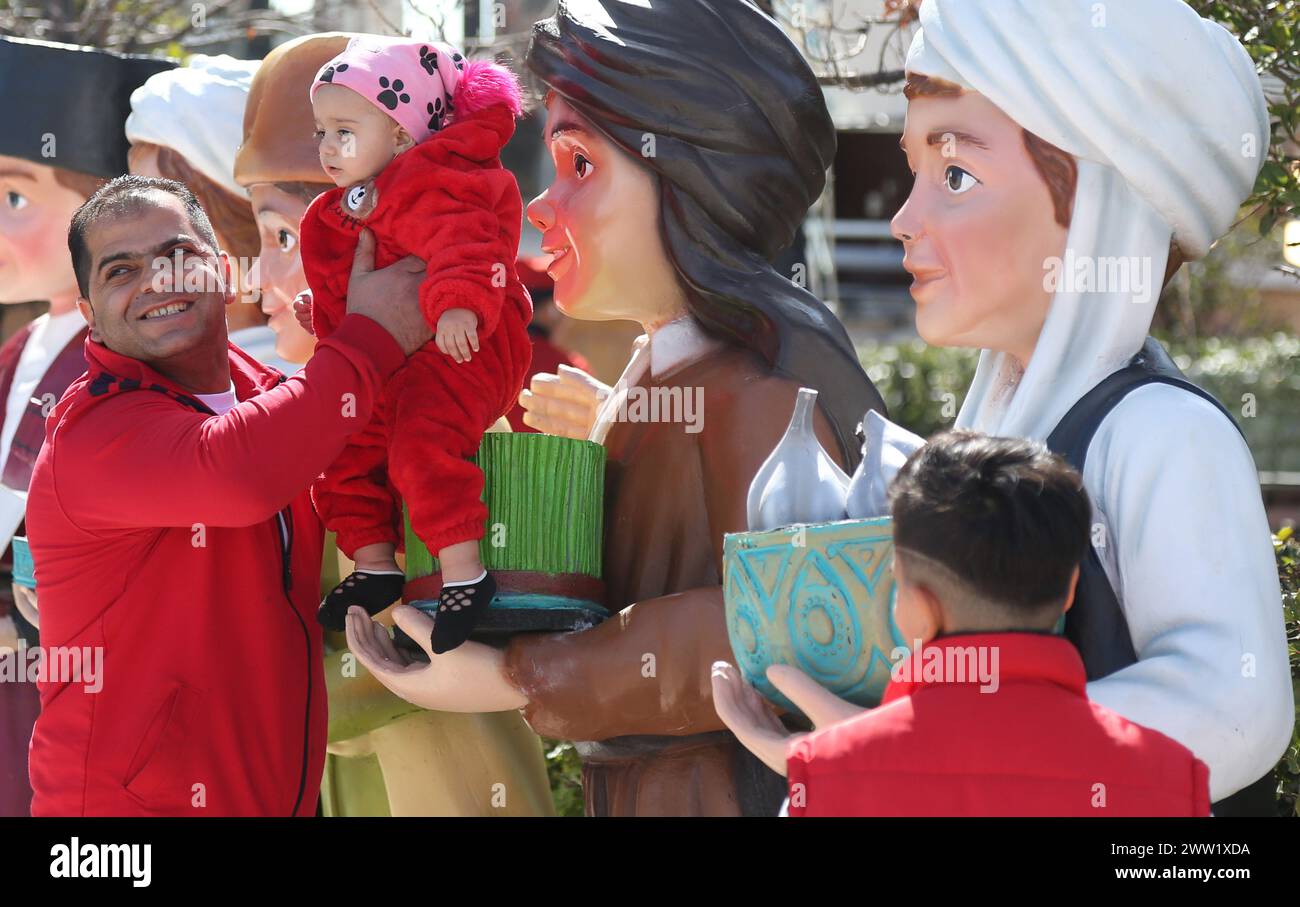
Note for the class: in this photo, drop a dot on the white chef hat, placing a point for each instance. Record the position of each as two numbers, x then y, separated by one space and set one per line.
197 110
1170 100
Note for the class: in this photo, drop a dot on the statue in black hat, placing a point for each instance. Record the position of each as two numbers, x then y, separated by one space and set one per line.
63 136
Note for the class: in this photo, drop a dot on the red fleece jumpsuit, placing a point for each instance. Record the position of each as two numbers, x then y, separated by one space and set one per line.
449 201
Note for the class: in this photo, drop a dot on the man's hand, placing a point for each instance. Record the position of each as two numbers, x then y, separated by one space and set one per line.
390 296
563 404
302 311
458 333
752 719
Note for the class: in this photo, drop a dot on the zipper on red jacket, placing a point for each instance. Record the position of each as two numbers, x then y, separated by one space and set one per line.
286 549
285 519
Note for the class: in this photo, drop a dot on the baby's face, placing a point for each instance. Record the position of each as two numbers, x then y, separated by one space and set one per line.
357 139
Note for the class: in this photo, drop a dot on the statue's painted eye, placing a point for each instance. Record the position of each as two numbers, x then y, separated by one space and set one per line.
16 200
581 165
958 180
286 240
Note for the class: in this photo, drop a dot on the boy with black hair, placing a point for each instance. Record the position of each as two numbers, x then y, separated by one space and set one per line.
988 714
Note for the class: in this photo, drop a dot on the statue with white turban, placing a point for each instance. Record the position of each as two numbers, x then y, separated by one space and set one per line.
1069 156
1146 126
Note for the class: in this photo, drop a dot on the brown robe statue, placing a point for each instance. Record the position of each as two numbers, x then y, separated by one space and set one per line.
637 686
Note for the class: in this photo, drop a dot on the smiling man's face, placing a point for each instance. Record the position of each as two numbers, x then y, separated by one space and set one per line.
158 290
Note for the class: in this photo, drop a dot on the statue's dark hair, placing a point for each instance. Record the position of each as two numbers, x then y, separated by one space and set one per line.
719 104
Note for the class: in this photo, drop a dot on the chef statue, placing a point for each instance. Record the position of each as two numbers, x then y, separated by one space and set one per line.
185 126
62 138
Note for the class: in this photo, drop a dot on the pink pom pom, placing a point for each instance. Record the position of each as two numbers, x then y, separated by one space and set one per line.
484 83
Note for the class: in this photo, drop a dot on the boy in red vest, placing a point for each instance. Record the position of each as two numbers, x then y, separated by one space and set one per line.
988 715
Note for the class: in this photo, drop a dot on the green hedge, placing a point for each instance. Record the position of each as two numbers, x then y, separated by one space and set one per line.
1257 378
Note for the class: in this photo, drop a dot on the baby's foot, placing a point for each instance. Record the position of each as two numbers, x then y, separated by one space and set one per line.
459 608
373 590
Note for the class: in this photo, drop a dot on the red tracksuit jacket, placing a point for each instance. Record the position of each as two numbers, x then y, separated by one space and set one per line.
156 532
1034 747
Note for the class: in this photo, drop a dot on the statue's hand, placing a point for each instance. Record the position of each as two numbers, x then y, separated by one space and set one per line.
9 638
469 678
25 601
565 403
750 717
820 705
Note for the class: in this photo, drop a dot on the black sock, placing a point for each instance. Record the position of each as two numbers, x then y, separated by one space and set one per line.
459 608
371 590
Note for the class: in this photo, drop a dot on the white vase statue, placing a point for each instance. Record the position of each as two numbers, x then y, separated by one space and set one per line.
884 451
798 482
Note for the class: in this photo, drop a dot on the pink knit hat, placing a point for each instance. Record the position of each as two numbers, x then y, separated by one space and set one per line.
420 84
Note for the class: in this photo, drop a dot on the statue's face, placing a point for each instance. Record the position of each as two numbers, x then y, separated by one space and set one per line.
978 227
600 221
142 160
279 267
35 211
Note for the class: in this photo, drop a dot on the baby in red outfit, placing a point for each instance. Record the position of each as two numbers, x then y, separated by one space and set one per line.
411 133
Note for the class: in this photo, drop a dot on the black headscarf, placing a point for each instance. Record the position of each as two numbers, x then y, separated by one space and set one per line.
742 140
67 105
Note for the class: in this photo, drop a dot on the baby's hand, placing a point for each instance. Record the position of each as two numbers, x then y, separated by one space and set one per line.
302 310
457 334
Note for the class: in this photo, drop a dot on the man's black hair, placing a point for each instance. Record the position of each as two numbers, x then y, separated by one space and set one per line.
120 196
1006 517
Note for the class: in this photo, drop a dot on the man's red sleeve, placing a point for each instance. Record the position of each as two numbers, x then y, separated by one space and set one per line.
140 460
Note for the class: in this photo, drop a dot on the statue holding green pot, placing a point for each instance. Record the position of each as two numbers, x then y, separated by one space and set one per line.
679 240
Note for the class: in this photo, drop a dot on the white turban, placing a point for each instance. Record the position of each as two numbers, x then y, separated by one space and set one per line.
198 111
1165 114
1169 99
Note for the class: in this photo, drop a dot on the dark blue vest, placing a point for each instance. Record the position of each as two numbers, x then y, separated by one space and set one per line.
1096 623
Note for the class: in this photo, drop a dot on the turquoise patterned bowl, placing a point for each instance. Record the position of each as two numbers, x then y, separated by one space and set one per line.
24 571
817 596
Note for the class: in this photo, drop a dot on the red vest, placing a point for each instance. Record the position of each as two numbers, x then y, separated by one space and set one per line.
993 724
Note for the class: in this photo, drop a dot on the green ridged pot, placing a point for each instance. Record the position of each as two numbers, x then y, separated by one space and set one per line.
543 537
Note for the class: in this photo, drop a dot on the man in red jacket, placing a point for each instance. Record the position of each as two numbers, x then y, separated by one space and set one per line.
175 544
988 715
